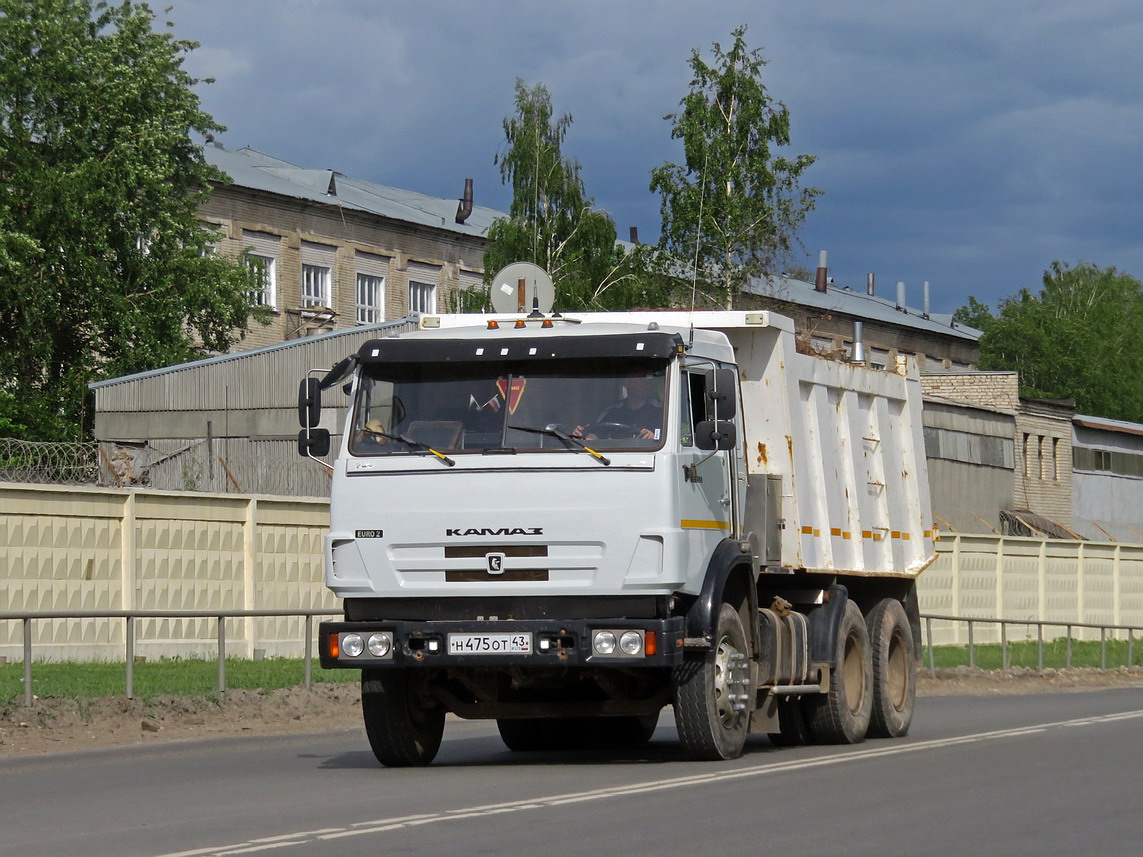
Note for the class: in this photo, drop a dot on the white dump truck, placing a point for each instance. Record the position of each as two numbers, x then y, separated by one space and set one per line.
567 524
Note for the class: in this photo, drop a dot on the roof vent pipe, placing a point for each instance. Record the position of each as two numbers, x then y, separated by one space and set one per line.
465 208
925 314
858 342
901 297
822 275
870 281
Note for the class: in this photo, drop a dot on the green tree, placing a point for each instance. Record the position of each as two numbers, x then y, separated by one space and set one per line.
733 208
1079 338
105 268
553 223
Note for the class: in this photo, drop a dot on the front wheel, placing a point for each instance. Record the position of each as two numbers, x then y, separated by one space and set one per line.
404 727
712 694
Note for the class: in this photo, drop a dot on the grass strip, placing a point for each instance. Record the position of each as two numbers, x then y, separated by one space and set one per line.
164 677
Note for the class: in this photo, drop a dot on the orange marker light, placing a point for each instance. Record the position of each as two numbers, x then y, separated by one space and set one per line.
334 646
519 323
650 643
492 325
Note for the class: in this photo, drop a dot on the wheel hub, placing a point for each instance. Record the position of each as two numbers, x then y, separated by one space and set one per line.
731 681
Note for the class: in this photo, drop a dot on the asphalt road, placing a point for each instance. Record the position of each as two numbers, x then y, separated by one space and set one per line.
1006 775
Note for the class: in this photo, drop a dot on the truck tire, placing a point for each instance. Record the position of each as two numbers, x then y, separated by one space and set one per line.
575 733
894 669
401 732
630 731
842 715
710 715
793 729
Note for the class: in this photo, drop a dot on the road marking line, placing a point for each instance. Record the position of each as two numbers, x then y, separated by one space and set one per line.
410 821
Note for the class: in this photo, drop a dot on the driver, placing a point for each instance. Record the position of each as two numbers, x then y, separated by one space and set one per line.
639 408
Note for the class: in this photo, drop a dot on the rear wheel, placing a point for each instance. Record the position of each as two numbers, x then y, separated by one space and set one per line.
712 694
894 670
403 725
841 716
793 729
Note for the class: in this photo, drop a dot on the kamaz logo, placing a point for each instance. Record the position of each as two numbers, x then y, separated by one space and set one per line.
496 531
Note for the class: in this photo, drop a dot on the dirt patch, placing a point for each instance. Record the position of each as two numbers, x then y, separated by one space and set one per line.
64 725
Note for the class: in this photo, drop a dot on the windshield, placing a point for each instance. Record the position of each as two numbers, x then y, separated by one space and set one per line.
458 408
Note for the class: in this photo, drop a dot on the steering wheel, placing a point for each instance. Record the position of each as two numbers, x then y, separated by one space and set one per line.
611 431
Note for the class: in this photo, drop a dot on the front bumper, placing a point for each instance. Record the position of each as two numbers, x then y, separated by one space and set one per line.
552 643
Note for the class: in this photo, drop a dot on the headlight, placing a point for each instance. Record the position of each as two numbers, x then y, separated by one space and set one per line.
352 645
603 642
631 643
380 645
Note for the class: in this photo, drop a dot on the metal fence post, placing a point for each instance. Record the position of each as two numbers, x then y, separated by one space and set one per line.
129 637
932 657
1040 646
309 648
971 647
28 662
1003 645
1130 647
222 654
1103 648
1068 657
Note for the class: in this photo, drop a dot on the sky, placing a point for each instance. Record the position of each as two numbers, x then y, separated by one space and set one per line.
967 144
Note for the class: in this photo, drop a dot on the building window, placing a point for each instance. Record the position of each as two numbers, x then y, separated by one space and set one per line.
265 270
262 257
422 297
370 298
315 285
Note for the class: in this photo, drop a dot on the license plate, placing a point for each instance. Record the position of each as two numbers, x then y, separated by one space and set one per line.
490 644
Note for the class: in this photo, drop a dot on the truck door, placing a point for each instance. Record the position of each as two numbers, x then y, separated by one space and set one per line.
706 490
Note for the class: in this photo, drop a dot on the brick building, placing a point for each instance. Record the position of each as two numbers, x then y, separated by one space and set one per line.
336 252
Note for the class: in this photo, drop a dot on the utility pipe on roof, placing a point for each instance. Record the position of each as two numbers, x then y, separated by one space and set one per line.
464 209
822 277
901 297
870 282
925 312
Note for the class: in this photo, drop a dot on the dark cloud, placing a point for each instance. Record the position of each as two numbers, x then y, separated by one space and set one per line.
967 144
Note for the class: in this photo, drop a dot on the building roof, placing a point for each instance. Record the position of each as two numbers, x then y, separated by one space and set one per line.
249 168
860 305
1105 424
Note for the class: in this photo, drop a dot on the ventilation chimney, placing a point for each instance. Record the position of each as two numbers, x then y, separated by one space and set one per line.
870 282
822 277
858 342
634 234
901 297
925 313
465 208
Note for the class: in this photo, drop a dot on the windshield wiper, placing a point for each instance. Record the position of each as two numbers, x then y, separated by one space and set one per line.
555 431
414 444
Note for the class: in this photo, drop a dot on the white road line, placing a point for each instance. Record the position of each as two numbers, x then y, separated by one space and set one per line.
409 821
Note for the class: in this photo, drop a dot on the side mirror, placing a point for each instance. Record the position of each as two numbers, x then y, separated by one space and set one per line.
309 402
313 442
719 391
715 435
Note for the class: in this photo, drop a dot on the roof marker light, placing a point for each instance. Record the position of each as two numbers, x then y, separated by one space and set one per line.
520 323
493 325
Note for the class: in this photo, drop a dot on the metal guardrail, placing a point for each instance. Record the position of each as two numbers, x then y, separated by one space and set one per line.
1027 623
129 617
